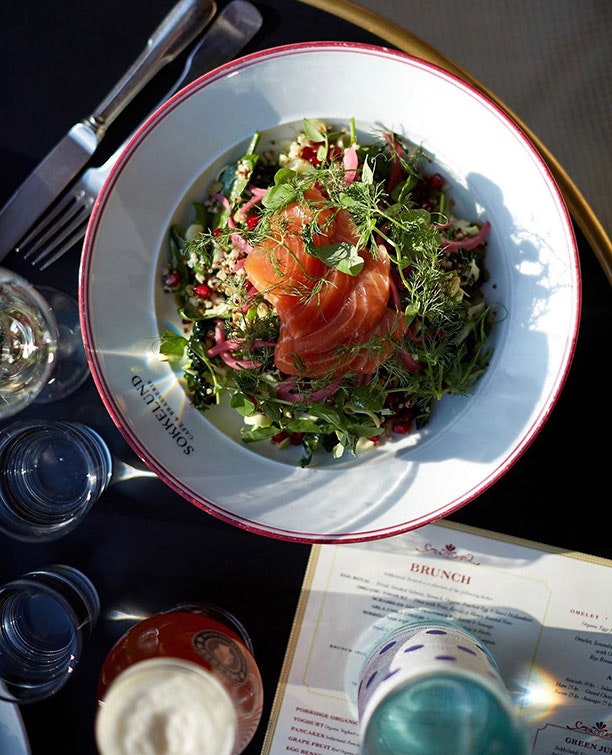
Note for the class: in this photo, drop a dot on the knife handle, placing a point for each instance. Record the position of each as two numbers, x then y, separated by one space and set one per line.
180 27
235 25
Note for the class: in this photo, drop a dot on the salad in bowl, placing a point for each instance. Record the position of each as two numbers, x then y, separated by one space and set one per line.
329 292
323 316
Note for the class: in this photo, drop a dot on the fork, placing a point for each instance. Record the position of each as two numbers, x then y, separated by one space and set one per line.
66 223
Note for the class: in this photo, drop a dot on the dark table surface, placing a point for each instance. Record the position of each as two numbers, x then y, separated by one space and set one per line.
145 547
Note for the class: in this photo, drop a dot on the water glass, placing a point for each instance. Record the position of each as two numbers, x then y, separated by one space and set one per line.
45 615
51 474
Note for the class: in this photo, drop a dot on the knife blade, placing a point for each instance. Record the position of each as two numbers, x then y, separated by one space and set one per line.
176 31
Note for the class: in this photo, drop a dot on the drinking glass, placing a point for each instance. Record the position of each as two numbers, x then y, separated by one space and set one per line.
42 357
45 616
51 474
430 687
188 672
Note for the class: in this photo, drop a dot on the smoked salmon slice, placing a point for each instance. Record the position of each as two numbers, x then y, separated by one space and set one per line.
331 323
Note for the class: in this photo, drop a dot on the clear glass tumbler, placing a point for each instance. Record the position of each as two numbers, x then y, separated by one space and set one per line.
45 615
51 474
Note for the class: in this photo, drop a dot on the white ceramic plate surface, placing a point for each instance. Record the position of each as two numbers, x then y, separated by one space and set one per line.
470 442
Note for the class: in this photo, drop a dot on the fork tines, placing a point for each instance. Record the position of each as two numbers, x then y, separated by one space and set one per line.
58 231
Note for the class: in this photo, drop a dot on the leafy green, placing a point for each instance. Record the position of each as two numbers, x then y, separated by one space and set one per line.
343 256
172 346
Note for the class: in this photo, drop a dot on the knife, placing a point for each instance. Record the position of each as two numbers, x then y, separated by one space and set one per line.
180 27
65 223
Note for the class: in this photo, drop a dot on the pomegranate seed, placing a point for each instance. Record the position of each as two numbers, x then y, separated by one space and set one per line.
202 291
401 428
172 280
310 155
436 181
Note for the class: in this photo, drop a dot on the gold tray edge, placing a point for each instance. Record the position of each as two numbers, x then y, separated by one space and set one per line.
408 42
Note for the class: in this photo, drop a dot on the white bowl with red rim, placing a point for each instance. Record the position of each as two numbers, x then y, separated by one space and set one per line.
470 442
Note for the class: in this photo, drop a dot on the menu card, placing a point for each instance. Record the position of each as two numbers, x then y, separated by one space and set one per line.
545 614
